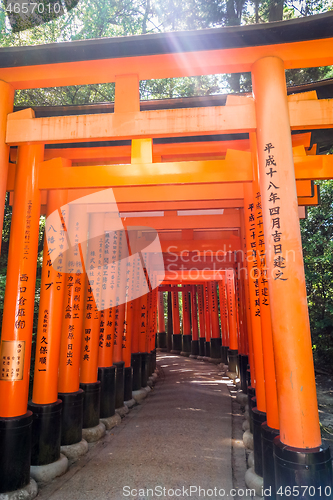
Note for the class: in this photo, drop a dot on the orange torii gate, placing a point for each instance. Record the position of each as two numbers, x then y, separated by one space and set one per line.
156 176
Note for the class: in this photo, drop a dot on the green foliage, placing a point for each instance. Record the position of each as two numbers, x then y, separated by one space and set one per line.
3 267
59 96
7 219
174 15
165 303
170 88
317 239
308 75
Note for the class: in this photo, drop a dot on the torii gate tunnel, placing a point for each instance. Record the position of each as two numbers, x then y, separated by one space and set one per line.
200 196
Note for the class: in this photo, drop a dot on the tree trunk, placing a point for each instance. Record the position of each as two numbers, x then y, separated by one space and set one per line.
275 10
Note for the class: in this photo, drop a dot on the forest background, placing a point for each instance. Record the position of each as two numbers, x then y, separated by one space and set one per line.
89 19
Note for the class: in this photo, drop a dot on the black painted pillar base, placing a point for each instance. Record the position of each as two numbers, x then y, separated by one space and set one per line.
176 343
195 347
136 365
207 349
251 392
224 354
153 354
248 377
243 362
152 362
259 417
71 417
15 446
144 369
215 348
128 381
240 368
233 361
120 381
149 365
152 357
268 434
91 404
298 467
45 433
250 395
253 404
107 378
161 340
186 348
202 346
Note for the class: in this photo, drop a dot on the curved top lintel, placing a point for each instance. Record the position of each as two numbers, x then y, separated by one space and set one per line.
316 27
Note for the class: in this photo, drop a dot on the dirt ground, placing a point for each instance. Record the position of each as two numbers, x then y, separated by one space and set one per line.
325 406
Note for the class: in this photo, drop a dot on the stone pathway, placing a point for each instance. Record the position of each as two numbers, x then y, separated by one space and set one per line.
180 437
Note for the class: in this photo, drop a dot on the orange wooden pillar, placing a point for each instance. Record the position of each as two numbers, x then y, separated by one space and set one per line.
91 334
119 317
238 316
187 335
151 322
154 325
143 339
194 318
246 266
224 320
72 323
150 326
298 412
244 315
215 341
17 323
136 356
233 337
202 326
267 427
119 321
176 336
128 328
45 403
254 293
208 323
127 350
169 320
243 348
261 348
272 412
161 334
146 356
106 370
136 329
